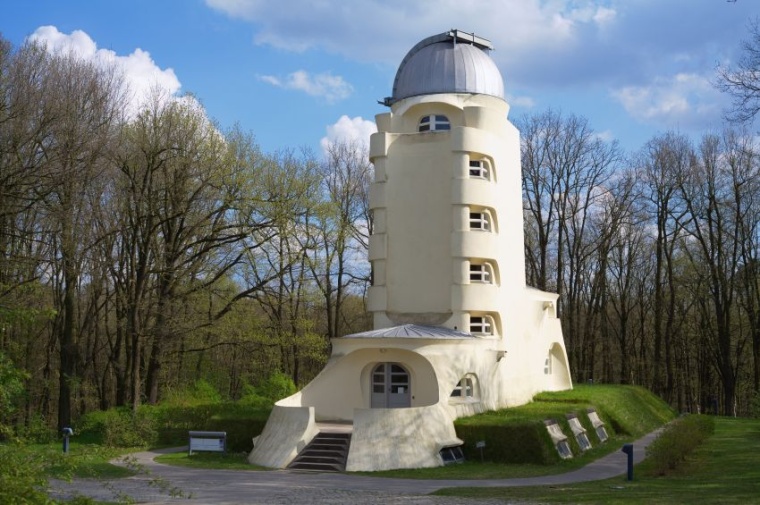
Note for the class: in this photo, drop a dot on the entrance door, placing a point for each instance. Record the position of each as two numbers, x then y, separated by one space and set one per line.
390 387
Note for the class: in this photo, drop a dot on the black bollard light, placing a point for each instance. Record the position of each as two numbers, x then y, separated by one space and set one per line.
628 449
67 432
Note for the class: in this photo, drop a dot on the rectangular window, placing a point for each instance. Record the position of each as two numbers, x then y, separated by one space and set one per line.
479 169
480 273
481 325
480 221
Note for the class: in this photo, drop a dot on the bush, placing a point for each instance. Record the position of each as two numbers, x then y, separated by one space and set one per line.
37 431
677 441
241 422
201 392
526 442
23 474
276 387
754 406
11 390
120 427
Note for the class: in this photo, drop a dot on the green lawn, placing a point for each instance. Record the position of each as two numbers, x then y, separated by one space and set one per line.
474 469
724 470
82 460
215 460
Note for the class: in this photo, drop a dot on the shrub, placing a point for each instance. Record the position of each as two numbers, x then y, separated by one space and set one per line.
23 474
201 392
120 427
677 440
525 442
11 390
37 431
754 406
241 422
277 386
251 398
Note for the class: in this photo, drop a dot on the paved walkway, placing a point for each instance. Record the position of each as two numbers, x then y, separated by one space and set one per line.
285 487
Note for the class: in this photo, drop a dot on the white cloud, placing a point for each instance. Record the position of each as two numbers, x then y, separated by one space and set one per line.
383 30
520 101
350 130
332 88
540 44
141 73
682 100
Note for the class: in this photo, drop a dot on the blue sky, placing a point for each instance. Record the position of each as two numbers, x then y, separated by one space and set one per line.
295 72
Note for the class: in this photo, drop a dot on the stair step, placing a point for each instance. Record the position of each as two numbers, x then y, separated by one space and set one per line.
327 447
328 434
318 459
327 452
323 467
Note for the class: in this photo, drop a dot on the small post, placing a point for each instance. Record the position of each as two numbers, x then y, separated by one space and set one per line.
67 432
480 445
628 449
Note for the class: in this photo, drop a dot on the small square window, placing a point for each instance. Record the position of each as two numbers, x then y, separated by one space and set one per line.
480 221
481 273
481 325
479 169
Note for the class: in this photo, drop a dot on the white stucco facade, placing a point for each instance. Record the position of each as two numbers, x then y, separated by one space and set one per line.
457 331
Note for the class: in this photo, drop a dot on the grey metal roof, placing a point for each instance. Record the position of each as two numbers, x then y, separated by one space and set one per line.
413 331
451 62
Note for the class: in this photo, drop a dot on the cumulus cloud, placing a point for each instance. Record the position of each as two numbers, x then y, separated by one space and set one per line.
141 73
539 43
682 100
350 130
332 88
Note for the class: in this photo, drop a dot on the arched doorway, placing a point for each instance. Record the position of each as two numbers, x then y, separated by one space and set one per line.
391 387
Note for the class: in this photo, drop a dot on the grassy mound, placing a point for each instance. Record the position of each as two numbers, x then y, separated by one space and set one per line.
519 435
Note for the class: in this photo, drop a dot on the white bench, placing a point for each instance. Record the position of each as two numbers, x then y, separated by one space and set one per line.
208 441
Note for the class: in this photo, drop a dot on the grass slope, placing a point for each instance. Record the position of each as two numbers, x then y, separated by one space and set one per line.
519 433
723 470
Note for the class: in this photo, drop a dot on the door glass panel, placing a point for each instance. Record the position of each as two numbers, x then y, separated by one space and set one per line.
390 386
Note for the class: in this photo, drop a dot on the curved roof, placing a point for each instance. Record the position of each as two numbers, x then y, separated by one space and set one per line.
413 331
452 62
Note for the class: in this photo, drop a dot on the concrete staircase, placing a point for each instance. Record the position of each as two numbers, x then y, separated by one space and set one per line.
327 452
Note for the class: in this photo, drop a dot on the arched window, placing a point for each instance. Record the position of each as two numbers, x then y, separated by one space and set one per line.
434 122
465 388
480 169
481 325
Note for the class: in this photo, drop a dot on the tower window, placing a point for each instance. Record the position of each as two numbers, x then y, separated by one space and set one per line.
480 221
481 325
479 169
464 388
435 122
481 273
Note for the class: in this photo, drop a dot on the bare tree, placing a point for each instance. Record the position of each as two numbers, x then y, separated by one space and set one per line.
714 192
340 230
663 162
742 81
566 170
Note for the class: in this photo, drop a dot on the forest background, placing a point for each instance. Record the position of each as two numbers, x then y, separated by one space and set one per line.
143 252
